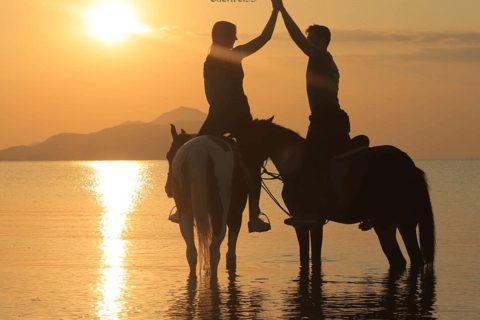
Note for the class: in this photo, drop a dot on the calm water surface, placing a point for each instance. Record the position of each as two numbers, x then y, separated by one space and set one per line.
91 240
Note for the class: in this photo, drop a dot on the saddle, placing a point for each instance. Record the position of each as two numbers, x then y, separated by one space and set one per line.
247 175
337 169
333 182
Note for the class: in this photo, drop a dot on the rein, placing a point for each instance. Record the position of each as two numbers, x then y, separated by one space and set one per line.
273 176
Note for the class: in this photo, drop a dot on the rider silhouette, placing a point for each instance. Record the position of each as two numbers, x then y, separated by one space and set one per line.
229 110
328 132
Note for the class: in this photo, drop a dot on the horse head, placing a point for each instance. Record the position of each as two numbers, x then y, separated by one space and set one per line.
265 138
178 141
283 146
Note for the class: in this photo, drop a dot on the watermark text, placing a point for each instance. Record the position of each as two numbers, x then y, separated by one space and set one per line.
233 0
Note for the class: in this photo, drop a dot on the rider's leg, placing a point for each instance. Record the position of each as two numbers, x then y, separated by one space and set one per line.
327 136
337 142
255 223
309 181
245 141
212 125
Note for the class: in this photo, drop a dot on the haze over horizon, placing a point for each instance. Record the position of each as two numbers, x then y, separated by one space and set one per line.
409 69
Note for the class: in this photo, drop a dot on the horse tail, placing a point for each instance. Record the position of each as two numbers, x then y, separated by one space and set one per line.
200 206
426 223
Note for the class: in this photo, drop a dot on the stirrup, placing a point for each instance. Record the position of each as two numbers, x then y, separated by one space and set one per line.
263 214
266 224
172 217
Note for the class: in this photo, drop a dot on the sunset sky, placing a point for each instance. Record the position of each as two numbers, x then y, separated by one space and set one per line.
410 69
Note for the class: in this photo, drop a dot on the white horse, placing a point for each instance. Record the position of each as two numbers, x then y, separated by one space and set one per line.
206 180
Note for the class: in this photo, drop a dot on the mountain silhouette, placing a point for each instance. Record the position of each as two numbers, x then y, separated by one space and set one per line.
128 141
180 114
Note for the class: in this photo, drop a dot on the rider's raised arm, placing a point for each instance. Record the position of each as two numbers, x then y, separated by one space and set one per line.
257 43
295 33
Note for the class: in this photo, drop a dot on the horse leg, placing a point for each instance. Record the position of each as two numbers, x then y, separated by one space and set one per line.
219 228
316 236
409 236
215 251
386 233
186 224
232 247
304 244
186 228
234 222
291 198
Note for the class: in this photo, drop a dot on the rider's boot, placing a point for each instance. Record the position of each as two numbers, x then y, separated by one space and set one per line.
365 225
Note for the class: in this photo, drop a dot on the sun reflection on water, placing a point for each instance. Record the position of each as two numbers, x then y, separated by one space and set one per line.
117 186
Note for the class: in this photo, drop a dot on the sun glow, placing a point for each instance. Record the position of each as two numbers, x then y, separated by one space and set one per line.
113 21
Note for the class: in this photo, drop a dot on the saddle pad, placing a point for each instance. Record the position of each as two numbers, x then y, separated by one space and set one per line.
337 169
247 175
348 154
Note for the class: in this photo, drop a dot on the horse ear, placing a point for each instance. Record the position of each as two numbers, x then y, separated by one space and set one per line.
183 132
173 130
270 119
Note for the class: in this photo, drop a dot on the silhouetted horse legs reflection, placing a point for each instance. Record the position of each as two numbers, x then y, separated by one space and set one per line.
200 301
185 307
409 294
402 295
191 290
204 299
233 303
308 297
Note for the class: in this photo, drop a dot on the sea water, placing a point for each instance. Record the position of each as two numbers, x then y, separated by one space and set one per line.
91 240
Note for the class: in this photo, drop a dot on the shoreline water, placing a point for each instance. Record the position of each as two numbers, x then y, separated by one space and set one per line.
92 239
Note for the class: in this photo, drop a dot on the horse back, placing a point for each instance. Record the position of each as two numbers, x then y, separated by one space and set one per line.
201 148
377 176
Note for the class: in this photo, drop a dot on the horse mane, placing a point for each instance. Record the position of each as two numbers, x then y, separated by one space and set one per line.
277 133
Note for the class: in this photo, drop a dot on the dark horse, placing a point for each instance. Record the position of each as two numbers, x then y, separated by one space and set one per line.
381 184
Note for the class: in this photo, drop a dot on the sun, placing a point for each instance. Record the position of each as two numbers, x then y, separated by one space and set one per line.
113 22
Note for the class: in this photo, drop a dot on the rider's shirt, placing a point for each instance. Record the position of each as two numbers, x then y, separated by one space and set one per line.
229 110
225 76
322 80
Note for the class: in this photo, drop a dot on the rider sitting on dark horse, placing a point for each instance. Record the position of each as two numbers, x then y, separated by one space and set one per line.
229 110
328 132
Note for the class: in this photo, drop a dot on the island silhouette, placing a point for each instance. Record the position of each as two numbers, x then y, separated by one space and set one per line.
135 140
